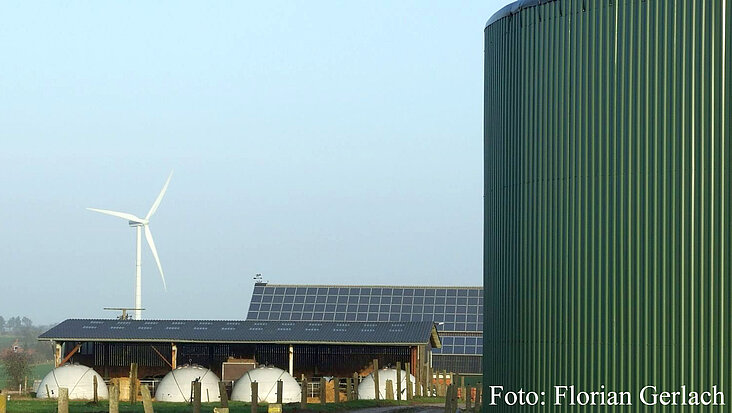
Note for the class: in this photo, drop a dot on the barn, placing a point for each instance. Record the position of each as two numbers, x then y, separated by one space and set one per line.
309 348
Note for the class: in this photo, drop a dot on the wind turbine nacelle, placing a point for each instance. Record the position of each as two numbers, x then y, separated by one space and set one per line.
135 223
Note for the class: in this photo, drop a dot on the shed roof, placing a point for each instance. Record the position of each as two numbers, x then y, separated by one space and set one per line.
237 331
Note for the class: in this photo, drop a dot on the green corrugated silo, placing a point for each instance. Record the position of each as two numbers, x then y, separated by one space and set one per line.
608 198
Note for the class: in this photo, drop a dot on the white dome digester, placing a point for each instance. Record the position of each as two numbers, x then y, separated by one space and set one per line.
366 388
176 385
75 377
267 378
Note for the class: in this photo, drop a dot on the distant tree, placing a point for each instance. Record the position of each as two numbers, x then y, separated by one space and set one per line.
26 322
2 324
13 323
17 366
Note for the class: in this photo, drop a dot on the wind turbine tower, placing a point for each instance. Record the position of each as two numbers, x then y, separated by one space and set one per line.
141 225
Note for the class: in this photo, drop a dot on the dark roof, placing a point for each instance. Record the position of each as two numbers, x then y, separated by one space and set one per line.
514 8
233 331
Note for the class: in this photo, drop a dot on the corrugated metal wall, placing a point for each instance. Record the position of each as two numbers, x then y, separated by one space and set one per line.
608 225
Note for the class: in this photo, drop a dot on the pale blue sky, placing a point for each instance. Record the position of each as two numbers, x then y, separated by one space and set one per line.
312 142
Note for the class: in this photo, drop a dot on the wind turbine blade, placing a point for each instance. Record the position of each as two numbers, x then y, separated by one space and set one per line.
123 215
151 243
159 198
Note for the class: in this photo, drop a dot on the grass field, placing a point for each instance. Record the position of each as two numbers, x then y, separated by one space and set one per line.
49 406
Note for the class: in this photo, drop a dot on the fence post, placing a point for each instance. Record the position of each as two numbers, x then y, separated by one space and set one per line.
323 394
224 394
146 399
95 400
418 380
468 398
389 390
431 381
114 399
255 397
279 391
376 379
304 394
409 383
133 383
196 396
355 386
478 394
399 380
3 402
336 390
63 400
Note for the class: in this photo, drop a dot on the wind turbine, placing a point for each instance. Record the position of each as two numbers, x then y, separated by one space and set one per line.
141 224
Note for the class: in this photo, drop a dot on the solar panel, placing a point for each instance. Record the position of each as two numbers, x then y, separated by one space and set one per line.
457 310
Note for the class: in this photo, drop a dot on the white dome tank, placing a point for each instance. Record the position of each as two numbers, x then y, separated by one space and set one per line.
176 385
366 388
266 377
77 378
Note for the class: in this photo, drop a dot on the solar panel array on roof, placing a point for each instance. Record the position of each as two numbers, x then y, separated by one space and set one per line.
457 310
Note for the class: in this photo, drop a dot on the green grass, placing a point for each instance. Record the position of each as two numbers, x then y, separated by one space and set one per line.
49 406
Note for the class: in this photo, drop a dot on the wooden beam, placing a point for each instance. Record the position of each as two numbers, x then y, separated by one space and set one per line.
68 356
162 357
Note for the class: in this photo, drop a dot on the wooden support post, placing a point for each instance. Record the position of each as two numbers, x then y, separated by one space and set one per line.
478 397
291 359
173 356
323 394
133 383
279 391
255 397
304 393
355 386
348 389
147 399
63 400
409 383
3 402
57 351
336 390
389 390
224 394
376 379
95 400
114 399
196 396
399 380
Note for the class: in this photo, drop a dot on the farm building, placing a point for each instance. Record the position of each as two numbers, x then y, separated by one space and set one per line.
230 348
457 312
